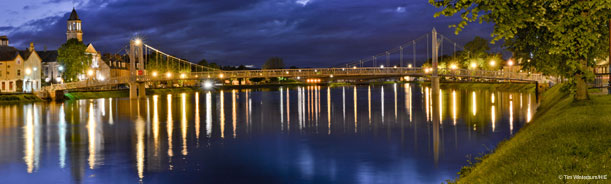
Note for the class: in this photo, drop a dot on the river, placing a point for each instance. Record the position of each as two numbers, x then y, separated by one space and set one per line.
308 134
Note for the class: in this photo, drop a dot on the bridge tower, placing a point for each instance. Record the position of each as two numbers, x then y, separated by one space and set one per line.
136 68
435 54
436 92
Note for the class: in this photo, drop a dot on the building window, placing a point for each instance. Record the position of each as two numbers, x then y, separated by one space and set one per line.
3 87
10 86
18 72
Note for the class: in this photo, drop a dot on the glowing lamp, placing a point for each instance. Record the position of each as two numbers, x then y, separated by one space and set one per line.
453 66
208 85
138 41
90 72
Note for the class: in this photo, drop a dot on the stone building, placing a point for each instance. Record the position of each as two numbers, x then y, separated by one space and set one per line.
53 71
19 70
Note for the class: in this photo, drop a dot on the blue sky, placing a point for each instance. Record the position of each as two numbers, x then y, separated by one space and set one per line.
231 32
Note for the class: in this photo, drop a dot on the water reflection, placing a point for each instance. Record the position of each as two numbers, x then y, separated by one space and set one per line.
155 124
31 139
170 128
62 136
414 142
208 114
355 111
183 123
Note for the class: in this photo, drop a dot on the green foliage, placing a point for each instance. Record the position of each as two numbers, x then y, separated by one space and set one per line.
478 47
256 79
555 37
274 63
72 56
203 62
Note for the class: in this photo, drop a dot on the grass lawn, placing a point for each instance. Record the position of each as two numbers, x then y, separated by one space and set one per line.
525 87
564 138
16 98
97 94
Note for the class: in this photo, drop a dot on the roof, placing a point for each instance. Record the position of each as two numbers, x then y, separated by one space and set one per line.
8 53
73 15
3 38
25 54
48 56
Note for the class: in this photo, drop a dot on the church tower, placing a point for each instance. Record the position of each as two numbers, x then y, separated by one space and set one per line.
74 27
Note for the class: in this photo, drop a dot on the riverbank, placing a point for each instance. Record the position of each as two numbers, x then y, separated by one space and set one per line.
564 138
123 93
96 94
18 98
492 86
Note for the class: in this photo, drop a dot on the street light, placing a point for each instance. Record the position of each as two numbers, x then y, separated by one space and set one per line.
473 65
154 74
168 74
221 76
90 72
183 76
28 71
381 66
492 62
138 41
208 85
510 62
453 66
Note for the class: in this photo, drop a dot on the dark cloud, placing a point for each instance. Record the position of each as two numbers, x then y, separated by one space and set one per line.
321 33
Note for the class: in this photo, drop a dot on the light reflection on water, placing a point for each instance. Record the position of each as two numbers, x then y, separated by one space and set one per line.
104 140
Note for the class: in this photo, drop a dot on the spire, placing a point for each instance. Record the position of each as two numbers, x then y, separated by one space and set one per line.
73 15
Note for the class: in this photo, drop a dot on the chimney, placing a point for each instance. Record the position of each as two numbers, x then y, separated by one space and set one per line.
3 41
31 49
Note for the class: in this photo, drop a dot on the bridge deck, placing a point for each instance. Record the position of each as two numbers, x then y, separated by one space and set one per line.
308 73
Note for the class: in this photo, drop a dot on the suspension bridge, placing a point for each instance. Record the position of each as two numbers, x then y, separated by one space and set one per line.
149 65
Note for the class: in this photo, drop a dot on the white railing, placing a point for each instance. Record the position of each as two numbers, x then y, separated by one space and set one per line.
307 73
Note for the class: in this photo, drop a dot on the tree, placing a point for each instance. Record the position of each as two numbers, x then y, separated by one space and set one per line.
256 80
203 62
560 37
478 47
274 63
71 55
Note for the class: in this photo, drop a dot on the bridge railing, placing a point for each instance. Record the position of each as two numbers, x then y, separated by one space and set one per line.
86 84
309 73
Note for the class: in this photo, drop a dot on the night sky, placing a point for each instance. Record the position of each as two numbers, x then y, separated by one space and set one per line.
305 33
